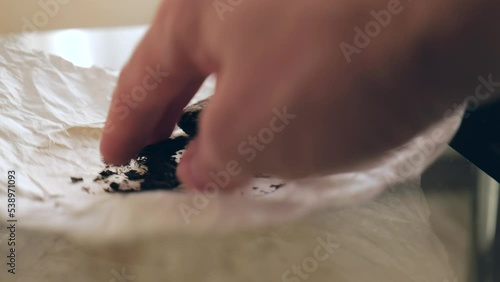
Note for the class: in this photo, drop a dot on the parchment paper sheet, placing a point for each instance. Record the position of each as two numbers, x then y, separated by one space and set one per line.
52 115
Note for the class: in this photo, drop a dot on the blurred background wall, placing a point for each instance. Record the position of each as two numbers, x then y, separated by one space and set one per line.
39 15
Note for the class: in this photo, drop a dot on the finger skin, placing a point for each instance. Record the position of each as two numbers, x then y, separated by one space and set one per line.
152 89
346 113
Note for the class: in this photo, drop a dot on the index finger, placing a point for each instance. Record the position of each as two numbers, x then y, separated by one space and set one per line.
152 89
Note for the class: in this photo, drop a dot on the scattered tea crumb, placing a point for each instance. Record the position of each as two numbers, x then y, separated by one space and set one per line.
76 179
106 173
114 186
86 189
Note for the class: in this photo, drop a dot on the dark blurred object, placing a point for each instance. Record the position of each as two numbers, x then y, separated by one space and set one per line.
478 140
188 122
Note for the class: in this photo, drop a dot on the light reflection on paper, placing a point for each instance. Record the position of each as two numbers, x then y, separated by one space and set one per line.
104 47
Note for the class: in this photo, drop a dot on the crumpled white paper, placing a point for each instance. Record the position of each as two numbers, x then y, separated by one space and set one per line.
52 114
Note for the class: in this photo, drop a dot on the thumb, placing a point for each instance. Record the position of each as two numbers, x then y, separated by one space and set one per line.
212 160
201 171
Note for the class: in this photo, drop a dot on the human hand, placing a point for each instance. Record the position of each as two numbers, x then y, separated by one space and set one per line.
290 100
